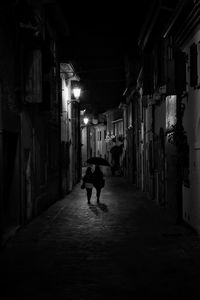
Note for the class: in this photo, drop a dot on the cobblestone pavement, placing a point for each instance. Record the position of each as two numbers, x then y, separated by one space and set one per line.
125 248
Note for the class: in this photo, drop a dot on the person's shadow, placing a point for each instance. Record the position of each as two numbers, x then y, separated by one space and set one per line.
103 207
94 209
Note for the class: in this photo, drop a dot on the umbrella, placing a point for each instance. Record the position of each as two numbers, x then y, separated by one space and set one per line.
97 161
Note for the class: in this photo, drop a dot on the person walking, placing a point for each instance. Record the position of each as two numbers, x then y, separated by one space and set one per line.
98 181
88 183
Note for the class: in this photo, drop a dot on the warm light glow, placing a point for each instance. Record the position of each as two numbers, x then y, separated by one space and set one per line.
85 120
76 92
170 111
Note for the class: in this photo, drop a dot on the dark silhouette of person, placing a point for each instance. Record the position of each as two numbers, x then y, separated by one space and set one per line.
116 152
88 181
98 181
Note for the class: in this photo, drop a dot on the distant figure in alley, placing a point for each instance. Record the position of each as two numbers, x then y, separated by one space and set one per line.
98 181
88 183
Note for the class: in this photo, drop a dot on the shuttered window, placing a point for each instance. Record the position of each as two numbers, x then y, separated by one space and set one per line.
193 65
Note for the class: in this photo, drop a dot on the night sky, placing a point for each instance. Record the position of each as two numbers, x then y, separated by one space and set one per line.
100 37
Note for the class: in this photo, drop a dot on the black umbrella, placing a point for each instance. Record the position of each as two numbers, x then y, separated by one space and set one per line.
97 161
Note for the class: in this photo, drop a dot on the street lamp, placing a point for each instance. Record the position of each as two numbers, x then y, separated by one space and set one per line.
76 92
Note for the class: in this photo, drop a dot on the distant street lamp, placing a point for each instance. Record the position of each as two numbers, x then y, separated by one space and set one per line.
85 120
87 137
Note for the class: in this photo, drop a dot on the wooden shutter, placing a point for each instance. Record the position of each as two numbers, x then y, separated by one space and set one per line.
193 65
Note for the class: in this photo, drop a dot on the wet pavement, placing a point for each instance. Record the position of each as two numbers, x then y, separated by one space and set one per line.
125 248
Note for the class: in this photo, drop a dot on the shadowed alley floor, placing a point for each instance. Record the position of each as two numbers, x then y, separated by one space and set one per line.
125 248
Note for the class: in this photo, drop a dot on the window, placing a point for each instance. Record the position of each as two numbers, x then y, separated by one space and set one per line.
193 65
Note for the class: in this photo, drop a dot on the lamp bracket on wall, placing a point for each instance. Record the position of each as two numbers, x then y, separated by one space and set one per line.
73 101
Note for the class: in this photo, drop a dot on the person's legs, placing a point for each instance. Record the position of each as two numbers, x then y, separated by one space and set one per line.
98 194
89 194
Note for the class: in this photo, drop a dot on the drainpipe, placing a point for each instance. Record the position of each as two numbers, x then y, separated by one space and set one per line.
79 145
60 192
1 169
153 158
88 141
179 164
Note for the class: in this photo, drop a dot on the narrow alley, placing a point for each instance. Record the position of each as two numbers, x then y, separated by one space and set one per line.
126 247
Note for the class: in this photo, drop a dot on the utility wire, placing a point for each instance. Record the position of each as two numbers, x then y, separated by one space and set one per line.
99 70
109 80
